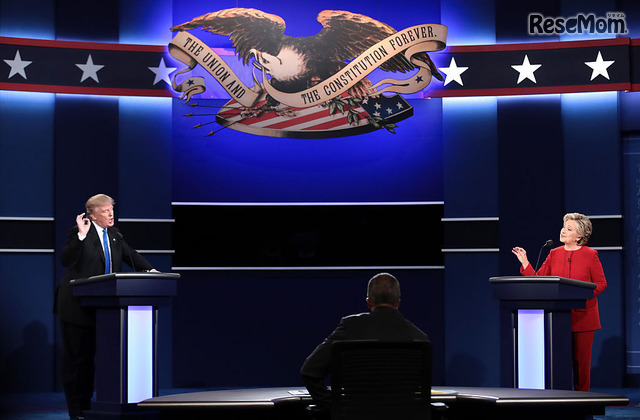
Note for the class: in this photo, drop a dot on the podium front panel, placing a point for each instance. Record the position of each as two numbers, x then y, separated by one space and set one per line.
531 349
536 328
126 306
140 354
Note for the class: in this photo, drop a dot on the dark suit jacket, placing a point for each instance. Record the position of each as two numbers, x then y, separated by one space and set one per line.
381 324
85 259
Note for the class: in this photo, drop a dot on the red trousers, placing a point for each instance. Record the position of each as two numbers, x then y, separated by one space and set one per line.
582 343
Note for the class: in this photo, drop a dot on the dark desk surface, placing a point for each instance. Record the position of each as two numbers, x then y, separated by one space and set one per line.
498 397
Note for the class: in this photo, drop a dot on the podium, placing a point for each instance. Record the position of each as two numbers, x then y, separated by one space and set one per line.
535 329
126 307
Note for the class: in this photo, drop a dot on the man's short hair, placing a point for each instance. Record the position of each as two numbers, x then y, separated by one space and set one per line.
97 201
383 288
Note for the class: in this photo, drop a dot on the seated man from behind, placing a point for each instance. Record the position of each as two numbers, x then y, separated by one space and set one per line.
383 322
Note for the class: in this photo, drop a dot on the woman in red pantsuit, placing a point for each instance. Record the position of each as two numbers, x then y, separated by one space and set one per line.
576 261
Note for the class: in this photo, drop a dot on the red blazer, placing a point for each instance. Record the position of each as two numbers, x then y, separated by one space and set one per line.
582 264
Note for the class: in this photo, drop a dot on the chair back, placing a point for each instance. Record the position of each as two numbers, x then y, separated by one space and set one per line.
373 379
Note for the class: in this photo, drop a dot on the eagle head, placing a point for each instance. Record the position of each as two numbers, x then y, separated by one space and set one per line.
288 65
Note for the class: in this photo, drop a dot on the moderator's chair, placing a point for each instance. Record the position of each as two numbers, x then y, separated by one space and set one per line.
373 379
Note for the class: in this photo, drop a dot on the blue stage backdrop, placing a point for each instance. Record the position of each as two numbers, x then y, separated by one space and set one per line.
460 150
376 167
230 166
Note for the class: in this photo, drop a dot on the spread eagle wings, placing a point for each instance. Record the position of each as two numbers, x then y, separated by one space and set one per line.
343 37
247 28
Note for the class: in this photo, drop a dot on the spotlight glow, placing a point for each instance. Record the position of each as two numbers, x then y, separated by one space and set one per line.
139 353
531 349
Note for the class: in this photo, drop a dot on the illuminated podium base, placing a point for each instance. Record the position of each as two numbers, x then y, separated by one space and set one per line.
535 329
126 307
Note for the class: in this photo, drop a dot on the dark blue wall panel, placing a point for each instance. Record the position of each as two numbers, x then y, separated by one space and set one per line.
26 278
511 19
261 335
608 356
593 186
26 323
530 174
145 159
26 154
592 150
146 22
28 19
471 320
99 23
469 22
632 252
86 156
470 157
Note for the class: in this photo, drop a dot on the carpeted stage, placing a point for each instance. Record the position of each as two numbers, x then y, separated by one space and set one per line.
462 403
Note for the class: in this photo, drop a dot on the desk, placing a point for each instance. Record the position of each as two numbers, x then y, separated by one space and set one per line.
463 403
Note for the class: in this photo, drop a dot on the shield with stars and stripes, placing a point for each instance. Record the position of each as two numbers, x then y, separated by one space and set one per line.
340 117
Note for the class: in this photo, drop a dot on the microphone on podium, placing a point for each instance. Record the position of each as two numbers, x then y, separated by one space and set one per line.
121 237
546 244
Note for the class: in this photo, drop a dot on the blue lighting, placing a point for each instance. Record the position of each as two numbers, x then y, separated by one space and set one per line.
146 22
540 97
469 23
139 353
591 100
133 103
26 98
87 97
531 349
472 103
35 20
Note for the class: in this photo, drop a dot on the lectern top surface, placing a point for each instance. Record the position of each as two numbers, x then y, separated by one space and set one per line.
541 279
127 275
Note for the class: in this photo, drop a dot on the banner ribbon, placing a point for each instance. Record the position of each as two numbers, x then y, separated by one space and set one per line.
411 41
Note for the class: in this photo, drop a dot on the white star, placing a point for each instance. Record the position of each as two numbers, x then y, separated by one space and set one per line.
17 66
389 111
399 105
526 70
89 70
453 72
599 67
162 72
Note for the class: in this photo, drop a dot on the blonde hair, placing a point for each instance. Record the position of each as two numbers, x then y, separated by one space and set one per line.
583 225
97 201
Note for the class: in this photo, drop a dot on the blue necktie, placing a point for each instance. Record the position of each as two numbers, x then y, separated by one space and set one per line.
107 257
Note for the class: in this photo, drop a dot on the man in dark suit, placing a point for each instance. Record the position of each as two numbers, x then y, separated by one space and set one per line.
383 322
84 256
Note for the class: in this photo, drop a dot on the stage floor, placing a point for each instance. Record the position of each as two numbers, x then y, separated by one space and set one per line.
51 405
463 402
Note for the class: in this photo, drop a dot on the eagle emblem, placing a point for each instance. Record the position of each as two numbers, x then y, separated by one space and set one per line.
325 71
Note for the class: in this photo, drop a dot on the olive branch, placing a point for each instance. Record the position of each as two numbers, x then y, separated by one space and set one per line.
353 117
